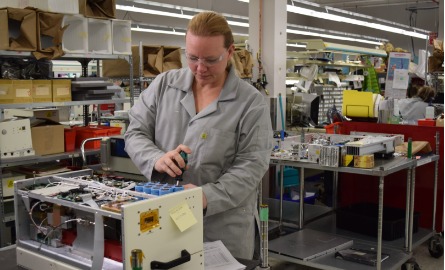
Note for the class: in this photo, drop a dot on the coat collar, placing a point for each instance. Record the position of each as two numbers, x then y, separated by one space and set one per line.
185 80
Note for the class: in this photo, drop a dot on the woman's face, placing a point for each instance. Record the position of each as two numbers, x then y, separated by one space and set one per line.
207 58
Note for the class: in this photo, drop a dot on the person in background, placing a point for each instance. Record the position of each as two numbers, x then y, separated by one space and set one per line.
414 108
222 122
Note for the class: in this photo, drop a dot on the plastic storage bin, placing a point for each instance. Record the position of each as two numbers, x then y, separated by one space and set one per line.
83 133
70 139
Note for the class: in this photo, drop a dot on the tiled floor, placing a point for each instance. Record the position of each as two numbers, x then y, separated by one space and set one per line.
420 254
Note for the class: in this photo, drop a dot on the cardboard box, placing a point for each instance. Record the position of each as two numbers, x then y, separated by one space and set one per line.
105 9
6 93
49 35
22 91
156 59
8 179
61 90
20 35
365 161
47 137
15 91
51 114
42 91
75 37
58 6
99 36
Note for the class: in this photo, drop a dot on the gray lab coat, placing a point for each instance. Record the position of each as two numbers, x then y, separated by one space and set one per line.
231 140
412 109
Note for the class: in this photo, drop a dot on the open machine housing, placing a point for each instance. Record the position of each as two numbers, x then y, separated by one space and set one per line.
69 221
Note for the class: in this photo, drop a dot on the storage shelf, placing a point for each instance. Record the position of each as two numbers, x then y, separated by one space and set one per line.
60 104
68 56
38 159
114 118
322 63
381 168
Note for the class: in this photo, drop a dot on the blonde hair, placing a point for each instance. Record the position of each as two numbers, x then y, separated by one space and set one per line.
209 23
426 93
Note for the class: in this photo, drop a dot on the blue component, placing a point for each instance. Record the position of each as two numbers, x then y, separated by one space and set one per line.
148 187
139 187
178 188
155 190
164 191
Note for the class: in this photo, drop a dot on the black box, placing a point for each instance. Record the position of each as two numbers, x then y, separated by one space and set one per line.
362 218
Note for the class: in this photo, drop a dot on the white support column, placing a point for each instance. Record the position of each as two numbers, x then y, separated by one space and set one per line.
273 22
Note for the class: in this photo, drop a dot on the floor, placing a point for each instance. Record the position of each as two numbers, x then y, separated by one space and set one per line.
421 255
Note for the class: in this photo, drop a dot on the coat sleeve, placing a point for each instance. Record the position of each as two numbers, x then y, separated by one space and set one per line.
140 135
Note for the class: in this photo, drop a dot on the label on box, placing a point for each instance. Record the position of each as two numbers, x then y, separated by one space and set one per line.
63 91
42 91
3 91
22 92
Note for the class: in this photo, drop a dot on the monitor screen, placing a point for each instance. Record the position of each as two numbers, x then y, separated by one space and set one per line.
310 106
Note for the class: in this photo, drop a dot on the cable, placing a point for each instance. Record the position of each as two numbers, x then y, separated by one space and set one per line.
32 219
78 220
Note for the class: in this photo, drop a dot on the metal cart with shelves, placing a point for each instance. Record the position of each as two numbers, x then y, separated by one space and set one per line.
326 223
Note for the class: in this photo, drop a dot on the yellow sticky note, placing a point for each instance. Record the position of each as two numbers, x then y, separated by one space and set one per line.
182 216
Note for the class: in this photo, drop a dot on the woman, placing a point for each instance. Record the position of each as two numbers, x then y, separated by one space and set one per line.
414 108
222 122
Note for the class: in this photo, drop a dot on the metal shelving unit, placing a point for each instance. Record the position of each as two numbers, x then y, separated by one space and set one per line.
5 205
400 250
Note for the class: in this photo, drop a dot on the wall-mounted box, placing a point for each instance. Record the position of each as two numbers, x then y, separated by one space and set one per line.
42 91
75 37
99 36
121 36
61 90
58 6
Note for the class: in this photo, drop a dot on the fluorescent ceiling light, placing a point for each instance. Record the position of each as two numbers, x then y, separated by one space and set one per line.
239 20
318 32
149 30
413 32
152 11
160 29
296 45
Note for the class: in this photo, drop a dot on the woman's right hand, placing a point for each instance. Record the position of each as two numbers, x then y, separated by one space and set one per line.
172 162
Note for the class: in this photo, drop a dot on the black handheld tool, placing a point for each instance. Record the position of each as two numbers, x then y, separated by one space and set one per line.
185 158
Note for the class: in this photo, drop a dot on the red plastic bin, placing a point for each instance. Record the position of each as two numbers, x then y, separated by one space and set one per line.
83 133
70 139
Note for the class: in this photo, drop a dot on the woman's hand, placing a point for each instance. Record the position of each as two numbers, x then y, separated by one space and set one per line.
172 162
